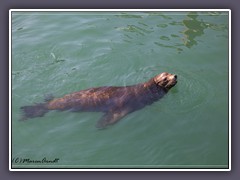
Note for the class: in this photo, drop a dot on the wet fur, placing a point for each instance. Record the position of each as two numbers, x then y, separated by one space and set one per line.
115 102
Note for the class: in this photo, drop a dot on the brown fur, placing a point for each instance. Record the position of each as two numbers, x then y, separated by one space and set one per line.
115 102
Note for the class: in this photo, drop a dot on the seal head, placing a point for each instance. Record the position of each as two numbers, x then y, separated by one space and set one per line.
165 80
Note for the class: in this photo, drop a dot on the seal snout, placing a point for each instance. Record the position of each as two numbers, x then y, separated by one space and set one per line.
173 76
174 79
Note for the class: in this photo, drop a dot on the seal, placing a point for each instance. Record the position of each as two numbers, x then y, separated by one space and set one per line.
115 102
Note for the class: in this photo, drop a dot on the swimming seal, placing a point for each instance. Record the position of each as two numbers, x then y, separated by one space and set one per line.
115 102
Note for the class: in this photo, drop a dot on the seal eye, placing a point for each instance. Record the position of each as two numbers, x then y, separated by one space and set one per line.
165 79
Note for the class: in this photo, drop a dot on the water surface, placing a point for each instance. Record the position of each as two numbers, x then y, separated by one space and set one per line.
62 52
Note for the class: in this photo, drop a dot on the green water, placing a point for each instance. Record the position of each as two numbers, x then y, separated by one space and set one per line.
62 52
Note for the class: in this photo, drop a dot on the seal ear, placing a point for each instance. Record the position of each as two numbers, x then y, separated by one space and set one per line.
110 118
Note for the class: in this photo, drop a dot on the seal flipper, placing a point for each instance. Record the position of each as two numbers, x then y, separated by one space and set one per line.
110 118
37 110
48 97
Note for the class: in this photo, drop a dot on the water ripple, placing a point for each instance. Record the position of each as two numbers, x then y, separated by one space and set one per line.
192 91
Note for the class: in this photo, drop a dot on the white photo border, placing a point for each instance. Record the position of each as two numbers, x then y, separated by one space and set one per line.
116 10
